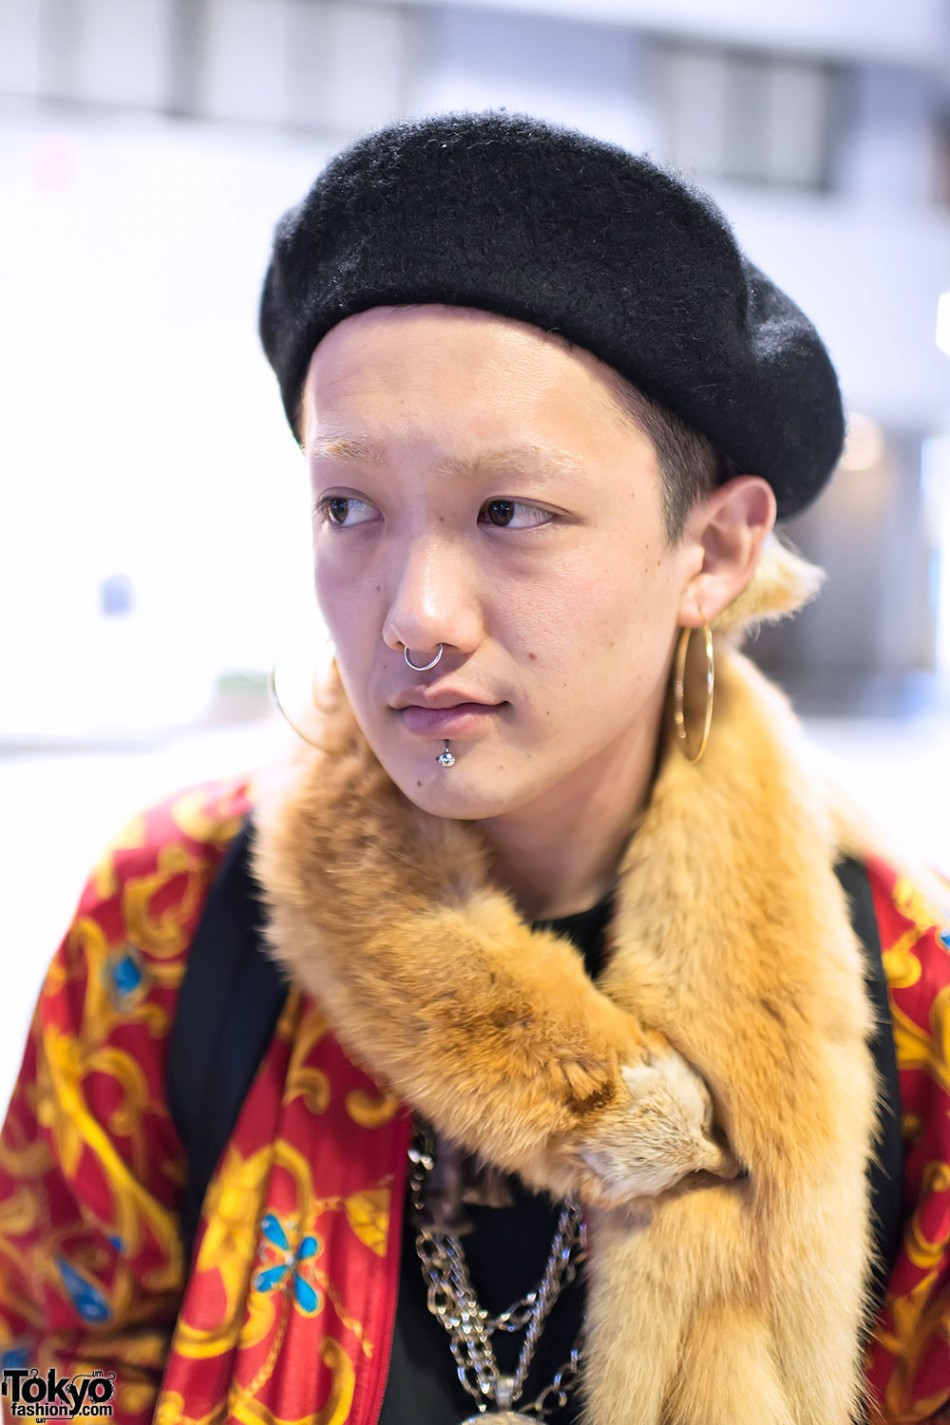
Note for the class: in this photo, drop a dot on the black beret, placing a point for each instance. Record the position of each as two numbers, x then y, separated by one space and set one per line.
521 217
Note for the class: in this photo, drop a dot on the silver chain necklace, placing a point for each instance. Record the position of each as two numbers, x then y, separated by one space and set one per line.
469 1327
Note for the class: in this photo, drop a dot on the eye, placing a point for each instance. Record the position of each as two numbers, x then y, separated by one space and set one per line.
345 510
513 514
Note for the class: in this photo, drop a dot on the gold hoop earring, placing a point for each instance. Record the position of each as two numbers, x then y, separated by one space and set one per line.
679 678
275 695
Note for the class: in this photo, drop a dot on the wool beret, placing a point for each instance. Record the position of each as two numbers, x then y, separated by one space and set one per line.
527 219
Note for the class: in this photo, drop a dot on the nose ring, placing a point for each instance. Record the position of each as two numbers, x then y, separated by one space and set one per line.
421 667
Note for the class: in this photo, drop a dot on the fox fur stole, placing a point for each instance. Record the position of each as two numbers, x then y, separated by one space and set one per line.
728 1030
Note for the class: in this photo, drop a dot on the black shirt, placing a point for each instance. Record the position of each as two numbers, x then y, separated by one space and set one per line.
506 1255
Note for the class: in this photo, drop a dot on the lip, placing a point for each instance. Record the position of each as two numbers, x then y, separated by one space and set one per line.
437 698
453 721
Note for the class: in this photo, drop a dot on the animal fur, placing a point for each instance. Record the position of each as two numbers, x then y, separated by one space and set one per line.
733 990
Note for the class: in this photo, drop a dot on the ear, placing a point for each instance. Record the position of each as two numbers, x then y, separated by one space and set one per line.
729 526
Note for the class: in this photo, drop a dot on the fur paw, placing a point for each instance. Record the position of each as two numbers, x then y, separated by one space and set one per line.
661 1134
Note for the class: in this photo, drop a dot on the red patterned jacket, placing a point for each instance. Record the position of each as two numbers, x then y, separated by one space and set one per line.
286 1311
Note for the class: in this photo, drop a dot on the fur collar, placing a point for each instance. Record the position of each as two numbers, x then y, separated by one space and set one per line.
720 1301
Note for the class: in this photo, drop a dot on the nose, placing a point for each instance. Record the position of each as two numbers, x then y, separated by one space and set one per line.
435 600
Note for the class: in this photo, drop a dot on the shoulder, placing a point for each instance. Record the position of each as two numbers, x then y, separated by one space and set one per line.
915 950
141 904
908 1361
186 832
89 1134
913 917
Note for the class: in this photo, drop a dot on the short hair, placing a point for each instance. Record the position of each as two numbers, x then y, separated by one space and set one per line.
690 465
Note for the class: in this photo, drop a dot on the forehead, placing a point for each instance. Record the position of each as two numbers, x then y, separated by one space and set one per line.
505 381
431 340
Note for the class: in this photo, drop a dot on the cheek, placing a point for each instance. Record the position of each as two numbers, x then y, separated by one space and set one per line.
596 656
343 600
350 622
326 585
593 610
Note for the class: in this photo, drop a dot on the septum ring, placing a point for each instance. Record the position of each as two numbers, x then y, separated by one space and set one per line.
421 667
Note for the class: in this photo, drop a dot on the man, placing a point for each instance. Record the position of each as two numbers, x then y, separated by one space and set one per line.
551 414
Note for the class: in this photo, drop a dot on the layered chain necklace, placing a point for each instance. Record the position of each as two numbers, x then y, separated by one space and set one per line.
470 1328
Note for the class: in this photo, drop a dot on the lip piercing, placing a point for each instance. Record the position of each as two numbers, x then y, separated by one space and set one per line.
446 758
421 667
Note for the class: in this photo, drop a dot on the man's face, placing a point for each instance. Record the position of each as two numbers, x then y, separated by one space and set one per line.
474 485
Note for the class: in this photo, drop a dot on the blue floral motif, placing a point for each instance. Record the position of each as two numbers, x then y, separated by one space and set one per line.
15 1358
86 1298
125 977
277 1274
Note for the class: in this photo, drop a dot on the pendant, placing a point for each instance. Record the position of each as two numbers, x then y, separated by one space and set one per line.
502 1417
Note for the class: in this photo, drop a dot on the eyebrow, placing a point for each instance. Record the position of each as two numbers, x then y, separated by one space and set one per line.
347 447
540 459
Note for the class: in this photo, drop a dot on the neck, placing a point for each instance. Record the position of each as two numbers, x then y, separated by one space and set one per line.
559 853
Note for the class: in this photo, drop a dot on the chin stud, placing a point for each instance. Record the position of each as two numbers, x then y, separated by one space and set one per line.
446 758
